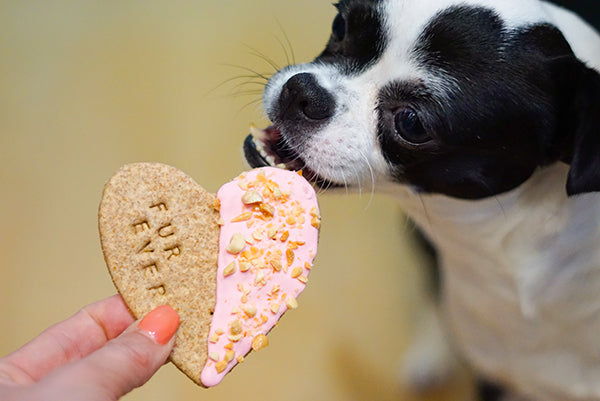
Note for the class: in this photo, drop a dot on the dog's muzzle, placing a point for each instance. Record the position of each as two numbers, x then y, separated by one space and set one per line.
301 108
303 101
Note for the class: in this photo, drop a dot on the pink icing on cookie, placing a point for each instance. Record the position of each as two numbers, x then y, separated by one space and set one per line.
268 240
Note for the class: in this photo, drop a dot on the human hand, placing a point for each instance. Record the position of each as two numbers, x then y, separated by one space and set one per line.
99 354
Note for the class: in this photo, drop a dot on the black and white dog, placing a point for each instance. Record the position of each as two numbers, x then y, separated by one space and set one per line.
482 117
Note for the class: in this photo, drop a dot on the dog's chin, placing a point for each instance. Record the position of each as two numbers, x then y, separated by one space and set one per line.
267 147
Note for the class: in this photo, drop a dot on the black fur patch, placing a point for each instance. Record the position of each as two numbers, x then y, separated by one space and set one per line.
495 122
364 38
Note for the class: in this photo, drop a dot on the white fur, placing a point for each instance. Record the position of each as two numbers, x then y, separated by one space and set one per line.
521 280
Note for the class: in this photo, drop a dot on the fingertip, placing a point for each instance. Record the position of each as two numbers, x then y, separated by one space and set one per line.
125 362
160 324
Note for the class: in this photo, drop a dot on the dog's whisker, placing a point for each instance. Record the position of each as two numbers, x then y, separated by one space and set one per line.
251 103
250 86
264 57
248 93
322 190
289 45
487 188
426 213
250 82
285 52
264 76
372 175
345 182
358 180
325 189
501 206
248 78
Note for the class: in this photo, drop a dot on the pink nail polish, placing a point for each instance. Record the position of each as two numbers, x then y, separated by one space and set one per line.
160 324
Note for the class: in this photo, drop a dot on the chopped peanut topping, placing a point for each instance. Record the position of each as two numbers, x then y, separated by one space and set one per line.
289 254
270 239
242 217
235 327
259 342
249 310
291 302
272 232
261 177
260 276
275 264
296 272
243 185
275 190
235 337
214 338
229 355
220 366
251 197
236 244
229 270
274 290
266 209
245 266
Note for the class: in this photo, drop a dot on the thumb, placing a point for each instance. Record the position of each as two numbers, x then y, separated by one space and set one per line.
126 362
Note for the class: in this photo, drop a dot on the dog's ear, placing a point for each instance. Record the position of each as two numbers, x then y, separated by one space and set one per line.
579 116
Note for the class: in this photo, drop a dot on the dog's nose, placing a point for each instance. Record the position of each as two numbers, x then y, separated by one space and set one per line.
303 98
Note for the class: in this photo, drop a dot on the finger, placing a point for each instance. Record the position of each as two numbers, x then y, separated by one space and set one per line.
124 363
86 331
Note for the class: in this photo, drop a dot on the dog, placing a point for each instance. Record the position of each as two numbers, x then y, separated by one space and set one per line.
482 118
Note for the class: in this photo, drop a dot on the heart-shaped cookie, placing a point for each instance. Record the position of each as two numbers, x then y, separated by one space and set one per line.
230 264
159 234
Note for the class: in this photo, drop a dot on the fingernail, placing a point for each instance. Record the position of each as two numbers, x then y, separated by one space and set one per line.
160 324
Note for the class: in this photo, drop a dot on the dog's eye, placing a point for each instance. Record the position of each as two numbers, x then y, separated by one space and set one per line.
338 28
409 127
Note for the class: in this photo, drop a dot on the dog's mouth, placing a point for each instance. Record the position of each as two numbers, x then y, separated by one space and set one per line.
268 147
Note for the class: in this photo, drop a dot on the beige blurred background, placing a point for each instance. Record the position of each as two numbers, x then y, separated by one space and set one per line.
86 86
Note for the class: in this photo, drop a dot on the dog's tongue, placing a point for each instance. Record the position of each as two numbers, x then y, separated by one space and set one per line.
268 240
